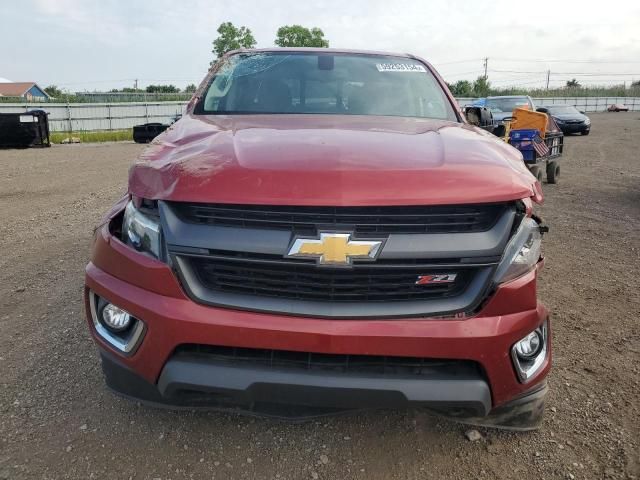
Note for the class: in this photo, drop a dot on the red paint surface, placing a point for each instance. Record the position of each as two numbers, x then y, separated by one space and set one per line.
336 160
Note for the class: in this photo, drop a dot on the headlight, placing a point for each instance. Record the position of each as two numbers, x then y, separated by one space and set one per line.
587 121
522 252
141 231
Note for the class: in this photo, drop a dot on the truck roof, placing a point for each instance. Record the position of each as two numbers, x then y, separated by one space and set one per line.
322 50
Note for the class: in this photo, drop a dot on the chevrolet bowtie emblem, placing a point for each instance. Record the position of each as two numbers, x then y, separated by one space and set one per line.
335 248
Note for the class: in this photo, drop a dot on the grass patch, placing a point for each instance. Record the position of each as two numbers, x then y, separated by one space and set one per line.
89 137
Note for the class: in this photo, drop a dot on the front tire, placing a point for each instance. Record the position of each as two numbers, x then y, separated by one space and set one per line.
553 172
536 171
585 132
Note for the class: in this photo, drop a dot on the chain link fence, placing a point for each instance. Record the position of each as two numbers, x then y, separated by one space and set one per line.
78 117
584 104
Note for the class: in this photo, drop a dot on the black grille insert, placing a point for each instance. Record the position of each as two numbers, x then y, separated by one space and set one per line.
329 363
306 281
362 220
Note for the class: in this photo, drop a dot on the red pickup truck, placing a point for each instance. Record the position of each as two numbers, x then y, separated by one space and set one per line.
322 231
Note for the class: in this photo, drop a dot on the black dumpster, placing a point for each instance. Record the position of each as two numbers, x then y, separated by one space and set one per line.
22 130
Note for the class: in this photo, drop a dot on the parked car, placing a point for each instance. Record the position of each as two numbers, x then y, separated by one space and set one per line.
146 132
568 118
502 107
618 107
323 231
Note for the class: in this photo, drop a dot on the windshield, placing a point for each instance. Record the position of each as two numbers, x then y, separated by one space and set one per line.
564 109
346 84
499 105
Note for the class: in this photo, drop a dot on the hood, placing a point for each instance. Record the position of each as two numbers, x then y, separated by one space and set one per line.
331 160
564 117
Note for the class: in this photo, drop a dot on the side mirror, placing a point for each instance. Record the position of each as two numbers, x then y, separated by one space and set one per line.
581 112
542 110
478 116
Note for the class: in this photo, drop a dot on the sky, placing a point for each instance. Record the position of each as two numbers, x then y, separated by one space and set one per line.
83 45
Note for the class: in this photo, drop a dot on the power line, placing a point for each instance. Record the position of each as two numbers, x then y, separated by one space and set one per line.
597 74
458 61
520 60
129 80
462 73
593 74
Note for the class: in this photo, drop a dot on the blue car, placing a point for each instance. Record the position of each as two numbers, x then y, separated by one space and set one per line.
502 107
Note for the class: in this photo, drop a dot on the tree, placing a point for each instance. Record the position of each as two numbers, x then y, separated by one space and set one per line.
462 88
481 87
573 83
635 84
162 89
299 36
53 91
190 88
125 90
231 38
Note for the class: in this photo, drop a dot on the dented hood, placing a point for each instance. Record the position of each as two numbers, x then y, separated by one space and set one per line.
328 160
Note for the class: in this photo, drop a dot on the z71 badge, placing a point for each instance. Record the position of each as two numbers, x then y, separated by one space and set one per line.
433 279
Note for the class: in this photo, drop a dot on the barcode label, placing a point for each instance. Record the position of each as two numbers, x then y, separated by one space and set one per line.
400 67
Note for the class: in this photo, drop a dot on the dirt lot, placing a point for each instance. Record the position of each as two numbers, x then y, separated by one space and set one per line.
57 420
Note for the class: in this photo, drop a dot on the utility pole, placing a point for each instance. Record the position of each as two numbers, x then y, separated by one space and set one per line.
135 84
486 62
548 75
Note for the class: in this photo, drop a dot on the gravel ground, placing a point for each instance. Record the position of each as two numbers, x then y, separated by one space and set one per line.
58 421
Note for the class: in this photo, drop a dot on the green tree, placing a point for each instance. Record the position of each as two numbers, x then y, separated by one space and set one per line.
125 90
53 91
573 83
299 36
190 88
635 84
162 89
231 38
481 87
462 88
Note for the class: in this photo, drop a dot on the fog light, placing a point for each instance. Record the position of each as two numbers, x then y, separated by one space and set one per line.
530 345
115 318
529 353
115 326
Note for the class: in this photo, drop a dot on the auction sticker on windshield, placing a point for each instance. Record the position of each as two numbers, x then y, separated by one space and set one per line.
399 67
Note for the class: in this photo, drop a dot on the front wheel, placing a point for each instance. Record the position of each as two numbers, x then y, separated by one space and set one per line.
585 132
536 171
553 172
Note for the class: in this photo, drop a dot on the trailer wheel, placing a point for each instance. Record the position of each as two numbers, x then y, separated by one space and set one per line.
553 172
536 171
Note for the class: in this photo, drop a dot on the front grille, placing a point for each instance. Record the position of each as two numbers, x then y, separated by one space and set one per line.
328 363
302 280
361 220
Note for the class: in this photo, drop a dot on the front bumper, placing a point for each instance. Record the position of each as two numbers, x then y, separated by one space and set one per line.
149 290
574 128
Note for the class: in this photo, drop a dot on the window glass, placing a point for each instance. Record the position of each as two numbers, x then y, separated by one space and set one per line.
277 83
